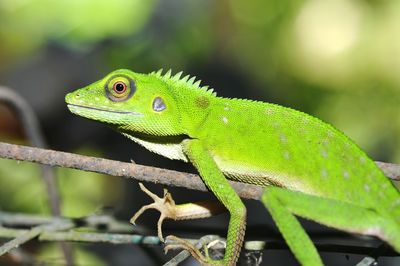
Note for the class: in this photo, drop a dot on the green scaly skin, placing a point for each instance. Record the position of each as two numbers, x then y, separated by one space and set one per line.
308 168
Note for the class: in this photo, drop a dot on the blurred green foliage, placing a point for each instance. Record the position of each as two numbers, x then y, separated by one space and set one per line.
336 59
26 25
51 255
82 193
21 182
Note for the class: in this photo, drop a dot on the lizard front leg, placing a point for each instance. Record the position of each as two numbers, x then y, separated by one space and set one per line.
215 180
169 210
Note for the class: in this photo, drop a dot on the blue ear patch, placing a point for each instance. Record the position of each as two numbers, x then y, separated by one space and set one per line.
158 104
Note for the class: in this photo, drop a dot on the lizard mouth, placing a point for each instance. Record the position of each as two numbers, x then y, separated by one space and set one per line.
71 107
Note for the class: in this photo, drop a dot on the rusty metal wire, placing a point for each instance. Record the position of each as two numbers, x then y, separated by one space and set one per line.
136 171
116 168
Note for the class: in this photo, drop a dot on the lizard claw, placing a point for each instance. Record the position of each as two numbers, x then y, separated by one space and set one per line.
165 205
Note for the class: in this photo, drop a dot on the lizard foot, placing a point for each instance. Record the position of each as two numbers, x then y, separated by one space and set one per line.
165 205
184 244
180 243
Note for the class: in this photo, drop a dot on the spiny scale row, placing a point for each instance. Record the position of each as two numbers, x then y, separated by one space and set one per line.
186 80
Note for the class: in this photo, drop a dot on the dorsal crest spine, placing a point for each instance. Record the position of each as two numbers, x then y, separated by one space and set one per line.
188 81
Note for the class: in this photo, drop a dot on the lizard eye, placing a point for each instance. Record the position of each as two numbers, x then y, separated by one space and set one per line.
119 87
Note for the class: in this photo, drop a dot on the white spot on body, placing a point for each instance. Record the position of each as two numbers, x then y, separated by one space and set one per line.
347 145
395 204
275 124
362 160
286 155
346 175
366 187
324 173
96 99
269 111
324 153
371 176
225 120
226 108
305 120
283 138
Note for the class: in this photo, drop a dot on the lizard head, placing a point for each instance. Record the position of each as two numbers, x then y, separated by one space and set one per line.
130 102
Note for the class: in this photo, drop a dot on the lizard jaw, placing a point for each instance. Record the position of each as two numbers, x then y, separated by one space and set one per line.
74 108
112 117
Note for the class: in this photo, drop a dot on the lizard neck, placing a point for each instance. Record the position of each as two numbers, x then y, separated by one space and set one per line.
194 107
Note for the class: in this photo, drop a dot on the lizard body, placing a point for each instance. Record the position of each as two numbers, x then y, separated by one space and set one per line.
308 167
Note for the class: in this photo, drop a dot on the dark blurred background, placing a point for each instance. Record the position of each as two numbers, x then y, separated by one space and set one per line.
338 60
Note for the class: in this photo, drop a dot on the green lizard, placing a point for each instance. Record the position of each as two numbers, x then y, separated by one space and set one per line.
308 168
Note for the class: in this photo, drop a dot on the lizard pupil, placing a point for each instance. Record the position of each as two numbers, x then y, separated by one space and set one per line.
119 87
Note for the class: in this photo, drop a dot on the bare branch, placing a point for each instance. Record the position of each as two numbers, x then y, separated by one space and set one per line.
132 170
